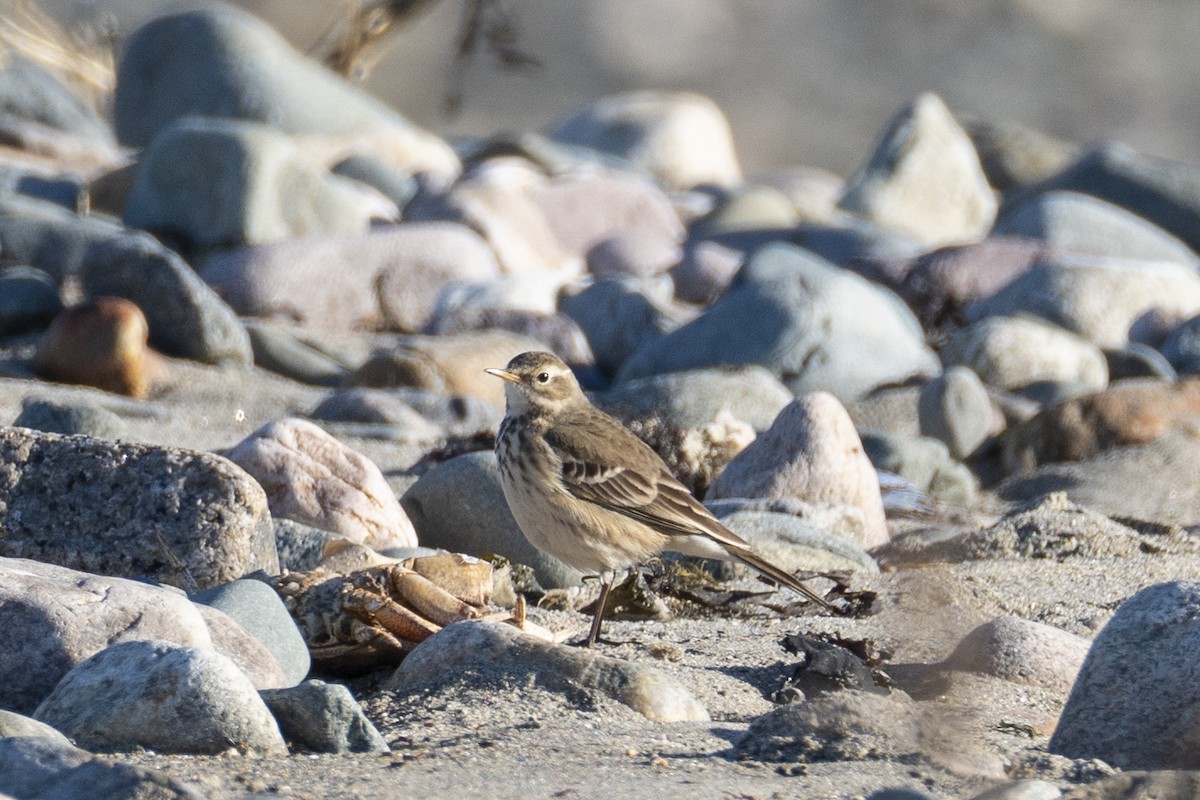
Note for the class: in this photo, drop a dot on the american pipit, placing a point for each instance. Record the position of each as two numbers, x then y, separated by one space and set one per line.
590 493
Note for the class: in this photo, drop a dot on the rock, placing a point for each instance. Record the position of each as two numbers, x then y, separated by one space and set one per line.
390 276
824 668
247 653
181 517
1027 789
301 547
57 617
31 91
1164 472
535 293
1132 705
620 316
1021 651
14 724
844 726
397 185
323 718
280 350
889 409
1163 191
311 477
1182 347
161 696
680 138
1099 299
925 463
793 543
258 610
558 333
28 300
816 326
1016 353
459 506
1013 155
1139 785
102 343
30 766
747 208
694 398
45 236
1070 222
119 781
450 364
70 419
924 179
1137 360
220 182
431 414
811 452
1126 413
223 62
851 242
482 650
812 191
955 409
704 271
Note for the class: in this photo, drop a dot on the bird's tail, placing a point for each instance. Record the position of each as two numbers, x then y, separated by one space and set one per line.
757 562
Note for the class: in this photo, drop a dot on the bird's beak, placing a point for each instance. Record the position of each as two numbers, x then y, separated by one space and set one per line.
502 375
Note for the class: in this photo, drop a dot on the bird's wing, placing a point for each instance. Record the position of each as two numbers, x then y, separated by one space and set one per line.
628 477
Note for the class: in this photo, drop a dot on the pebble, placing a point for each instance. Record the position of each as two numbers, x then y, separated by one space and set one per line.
280 350
1022 651
483 648
320 717
924 179
102 343
28 300
14 724
558 333
814 325
694 398
924 462
955 409
704 271
1133 704
792 542
1182 347
420 413
182 517
1014 155
164 697
812 453
311 477
620 316
257 609
843 726
70 419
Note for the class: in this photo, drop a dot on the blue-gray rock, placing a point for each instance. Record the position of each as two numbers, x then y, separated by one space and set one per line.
119 781
301 547
846 241
28 300
256 607
791 542
279 350
247 653
321 717
29 90
70 419
925 463
220 182
46 236
163 697
456 416
1137 360
65 192
1070 222
1182 347
14 724
844 726
704 271
185 518
955 409
31 765
489 651
223 62
694 398
560 334
1100 299
814 325
619 316
459 506
1134 704
394 184
1163 191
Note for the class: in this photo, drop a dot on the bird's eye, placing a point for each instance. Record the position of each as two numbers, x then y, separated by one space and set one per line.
543 377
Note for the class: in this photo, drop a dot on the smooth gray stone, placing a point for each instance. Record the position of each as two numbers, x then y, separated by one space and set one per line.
843 243
693 398
30 91
618 316
394 184
28 300
276 349
455 416
257 608
70 420
792 543
955 408
1182 347
98 778
924 462
323 718
1137 360
844 726
30 765
14 724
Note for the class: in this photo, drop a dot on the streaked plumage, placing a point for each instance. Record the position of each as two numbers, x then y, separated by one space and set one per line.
590 493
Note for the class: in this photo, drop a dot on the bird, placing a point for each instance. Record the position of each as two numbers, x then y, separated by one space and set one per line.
589 492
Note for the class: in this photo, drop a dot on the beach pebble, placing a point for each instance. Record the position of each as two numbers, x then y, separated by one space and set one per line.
164 697
223 62
57 617
1026 789
1100 299
924 179
101 343
558 333
28 300
620 316
1138 360
1070 222
1164 191
681 138
257 609
69 419
843 726
812 453
530 292
1021 651
471 647
1182 347
924 462
451 364
14 724
34 767
852 242
694 398
888 409
311 477
421 412
813 324
1014 155
1128 412
704 271
792 542
45 236
30 90
747 208
390 276
1133 704
1021 353
955 409
319 717
181 517
459 506
281 350
249 654
812 191
396 184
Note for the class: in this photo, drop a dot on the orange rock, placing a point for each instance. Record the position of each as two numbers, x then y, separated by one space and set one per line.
101 343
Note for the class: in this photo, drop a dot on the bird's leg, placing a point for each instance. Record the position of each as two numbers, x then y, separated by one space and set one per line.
606 582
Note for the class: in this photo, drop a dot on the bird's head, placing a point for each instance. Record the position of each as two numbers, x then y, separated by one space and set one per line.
536 381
